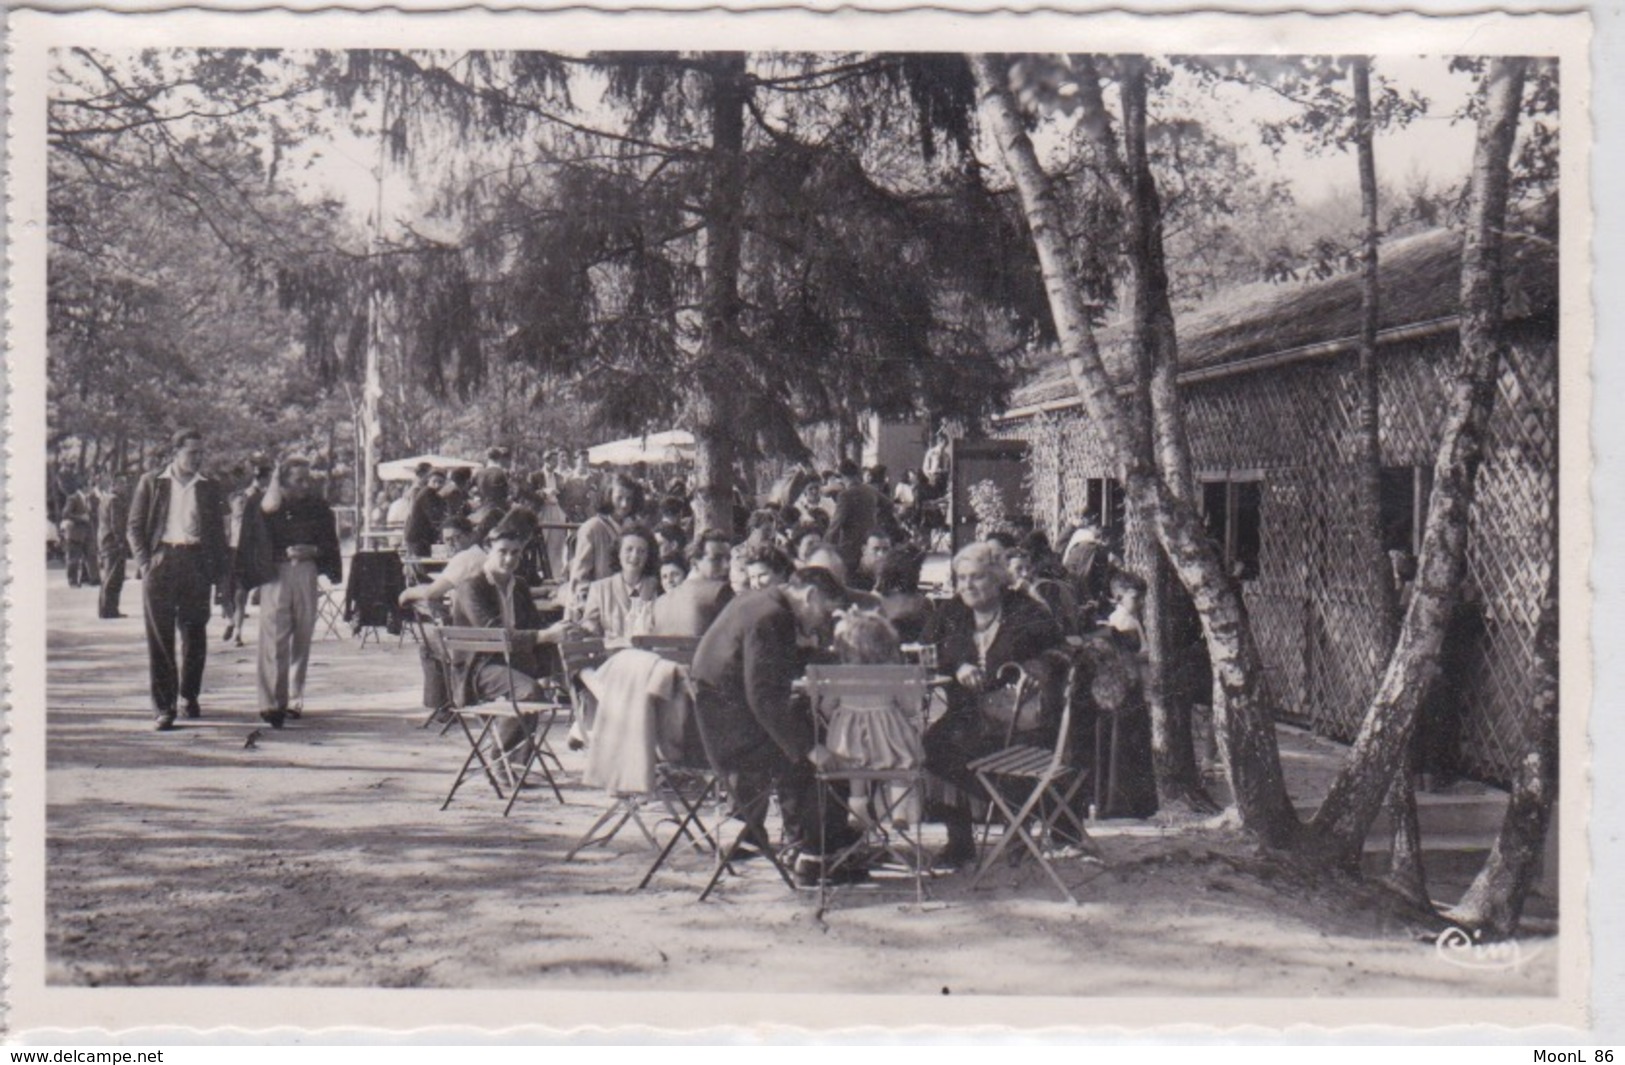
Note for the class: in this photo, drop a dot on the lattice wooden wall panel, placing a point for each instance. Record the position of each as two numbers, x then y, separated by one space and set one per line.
1313 604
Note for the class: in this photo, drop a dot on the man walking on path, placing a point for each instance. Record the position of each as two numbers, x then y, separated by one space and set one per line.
288 542
113 518
75 533
177 534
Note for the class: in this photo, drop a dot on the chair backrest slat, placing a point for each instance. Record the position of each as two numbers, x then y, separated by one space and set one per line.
679 649
903 684
461 639
466 640
1063 738
581 654
434 638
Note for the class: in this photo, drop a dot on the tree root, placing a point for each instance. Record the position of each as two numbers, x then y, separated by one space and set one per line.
1186 802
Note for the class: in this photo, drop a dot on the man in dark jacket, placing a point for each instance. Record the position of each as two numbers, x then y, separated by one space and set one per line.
113 519
496 598
752 728
691 607
427 514
177 535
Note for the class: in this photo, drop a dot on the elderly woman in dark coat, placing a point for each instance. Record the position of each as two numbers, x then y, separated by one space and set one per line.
988 626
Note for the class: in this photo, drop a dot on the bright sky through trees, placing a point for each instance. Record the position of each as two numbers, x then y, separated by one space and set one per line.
1436 147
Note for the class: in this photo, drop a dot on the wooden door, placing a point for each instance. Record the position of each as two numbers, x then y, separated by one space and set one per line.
1004 462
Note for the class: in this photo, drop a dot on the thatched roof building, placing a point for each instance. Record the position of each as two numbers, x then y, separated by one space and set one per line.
1267 376
1284 321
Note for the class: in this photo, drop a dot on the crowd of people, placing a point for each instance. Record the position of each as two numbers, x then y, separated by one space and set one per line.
827 568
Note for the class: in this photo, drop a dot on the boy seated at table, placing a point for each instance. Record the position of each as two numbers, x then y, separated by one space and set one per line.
494 598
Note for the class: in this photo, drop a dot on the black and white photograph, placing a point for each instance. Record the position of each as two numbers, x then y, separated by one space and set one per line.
758 526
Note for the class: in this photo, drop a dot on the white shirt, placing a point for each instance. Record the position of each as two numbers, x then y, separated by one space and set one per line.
935 461
182 525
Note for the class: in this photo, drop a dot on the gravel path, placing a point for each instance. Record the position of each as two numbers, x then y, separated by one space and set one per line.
319 857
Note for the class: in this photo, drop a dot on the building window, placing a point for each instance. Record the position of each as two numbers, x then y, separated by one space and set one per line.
1103 505
1232 509
1404 493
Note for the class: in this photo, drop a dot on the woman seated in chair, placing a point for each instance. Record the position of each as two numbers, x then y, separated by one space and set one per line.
618 605
986 628
1056 596
901 602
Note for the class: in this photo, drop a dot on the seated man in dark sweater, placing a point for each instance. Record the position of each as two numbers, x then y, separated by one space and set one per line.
496 598
752 728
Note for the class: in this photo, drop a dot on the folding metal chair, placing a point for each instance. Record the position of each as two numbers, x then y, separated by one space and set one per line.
629 808
434 652
1051 783
330 610
694 801
699 790
485 747
681 788
882 828
624 810
752 833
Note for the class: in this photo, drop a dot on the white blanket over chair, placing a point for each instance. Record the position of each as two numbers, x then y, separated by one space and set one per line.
642 708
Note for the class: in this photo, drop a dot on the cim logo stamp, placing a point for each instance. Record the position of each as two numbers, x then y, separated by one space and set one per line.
1458 947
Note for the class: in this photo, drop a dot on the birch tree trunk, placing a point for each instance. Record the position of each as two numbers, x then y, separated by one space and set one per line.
1255 761
1156 398
1405 875
1494 902
1340 826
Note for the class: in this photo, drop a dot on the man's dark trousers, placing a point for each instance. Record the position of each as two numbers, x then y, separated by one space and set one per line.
175 594
112 582
765 771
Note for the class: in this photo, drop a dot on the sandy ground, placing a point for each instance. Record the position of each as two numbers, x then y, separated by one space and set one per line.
320 857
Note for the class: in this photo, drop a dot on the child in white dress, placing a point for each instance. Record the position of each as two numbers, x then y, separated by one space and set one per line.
872 732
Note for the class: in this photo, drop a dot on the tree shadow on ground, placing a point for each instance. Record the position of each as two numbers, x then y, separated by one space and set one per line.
319 856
